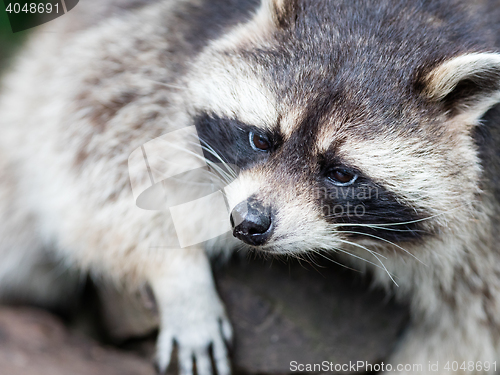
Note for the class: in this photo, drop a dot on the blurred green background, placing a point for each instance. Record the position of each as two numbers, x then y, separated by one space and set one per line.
9 41
23 20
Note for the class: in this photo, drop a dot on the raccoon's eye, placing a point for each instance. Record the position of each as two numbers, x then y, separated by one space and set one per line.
259 142
342 177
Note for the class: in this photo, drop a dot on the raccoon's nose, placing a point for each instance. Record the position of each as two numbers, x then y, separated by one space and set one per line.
252 222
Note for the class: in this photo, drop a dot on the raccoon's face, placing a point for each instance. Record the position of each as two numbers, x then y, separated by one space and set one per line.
342 135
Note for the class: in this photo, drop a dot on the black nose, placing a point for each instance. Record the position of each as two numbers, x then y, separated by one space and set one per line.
252 222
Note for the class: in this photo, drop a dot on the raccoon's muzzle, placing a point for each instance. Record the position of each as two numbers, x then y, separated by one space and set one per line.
252 222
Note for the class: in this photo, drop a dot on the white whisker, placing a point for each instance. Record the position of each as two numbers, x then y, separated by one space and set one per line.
168 85
372 253
394 224
385 240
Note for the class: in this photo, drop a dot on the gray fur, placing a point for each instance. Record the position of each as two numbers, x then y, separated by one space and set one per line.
403 94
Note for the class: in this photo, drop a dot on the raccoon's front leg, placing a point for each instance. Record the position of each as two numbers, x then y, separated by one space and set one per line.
191 315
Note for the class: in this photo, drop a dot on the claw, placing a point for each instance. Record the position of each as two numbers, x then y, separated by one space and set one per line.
164 352
185 361
203 363
158 369
220 356
227 331
193 319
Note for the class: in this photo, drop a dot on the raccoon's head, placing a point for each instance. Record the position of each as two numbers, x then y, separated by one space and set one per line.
350 123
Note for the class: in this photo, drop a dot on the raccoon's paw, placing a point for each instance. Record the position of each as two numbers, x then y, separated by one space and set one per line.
199 337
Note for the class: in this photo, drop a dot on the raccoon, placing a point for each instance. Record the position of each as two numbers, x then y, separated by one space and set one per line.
365 129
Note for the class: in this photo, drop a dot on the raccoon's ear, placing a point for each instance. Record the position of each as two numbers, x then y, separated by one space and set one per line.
282 13
466 85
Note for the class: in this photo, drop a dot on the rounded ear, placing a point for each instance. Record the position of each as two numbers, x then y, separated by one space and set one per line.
467 85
